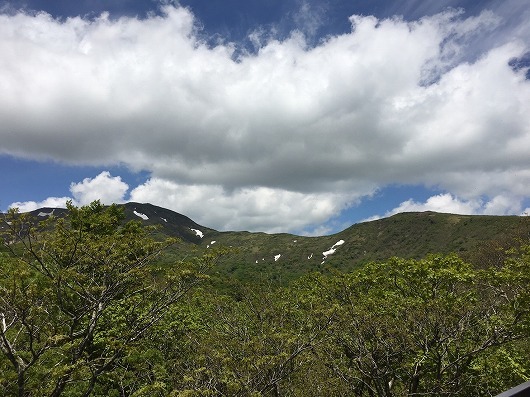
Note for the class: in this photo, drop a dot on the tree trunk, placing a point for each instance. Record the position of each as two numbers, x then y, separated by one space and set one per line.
20 383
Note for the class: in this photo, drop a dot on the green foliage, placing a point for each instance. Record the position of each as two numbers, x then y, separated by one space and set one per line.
90 306
77 297
412 327
478 239
254 345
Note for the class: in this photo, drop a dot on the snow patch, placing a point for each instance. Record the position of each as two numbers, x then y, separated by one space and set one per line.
45 213
164 219
212 243
140 215
340 242
197 232
310 256
332 250
276 257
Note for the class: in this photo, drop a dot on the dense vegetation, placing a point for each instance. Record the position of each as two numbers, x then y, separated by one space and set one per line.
411 235
88 306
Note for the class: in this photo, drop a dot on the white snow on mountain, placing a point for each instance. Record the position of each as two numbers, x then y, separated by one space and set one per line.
340 242
197 232
45 213
333 249
328 252
140 215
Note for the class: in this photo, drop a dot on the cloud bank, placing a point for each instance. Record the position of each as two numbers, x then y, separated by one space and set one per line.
266 209
292 129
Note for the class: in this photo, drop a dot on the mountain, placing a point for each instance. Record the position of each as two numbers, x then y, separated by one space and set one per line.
171 223
285 256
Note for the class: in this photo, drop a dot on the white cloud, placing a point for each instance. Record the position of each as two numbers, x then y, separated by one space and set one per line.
294 124
255 209
103 187
50 202
502 205
265 209
439 203
448 203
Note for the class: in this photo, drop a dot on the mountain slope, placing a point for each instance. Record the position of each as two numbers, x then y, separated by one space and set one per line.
407 235
286 256
172 223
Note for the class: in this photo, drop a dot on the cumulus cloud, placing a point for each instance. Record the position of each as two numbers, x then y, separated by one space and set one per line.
50 202
266 209
391 101
103 187
439 203
448 203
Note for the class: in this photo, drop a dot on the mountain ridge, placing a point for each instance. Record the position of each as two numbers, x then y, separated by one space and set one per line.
285 255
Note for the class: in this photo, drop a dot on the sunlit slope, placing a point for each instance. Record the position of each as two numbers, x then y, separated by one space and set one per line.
285 256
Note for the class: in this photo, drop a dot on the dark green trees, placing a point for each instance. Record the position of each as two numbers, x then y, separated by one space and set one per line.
76 294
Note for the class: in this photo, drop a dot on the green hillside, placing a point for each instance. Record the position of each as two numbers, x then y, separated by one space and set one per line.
406 235
285 257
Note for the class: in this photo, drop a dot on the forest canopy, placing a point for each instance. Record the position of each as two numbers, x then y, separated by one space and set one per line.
89 307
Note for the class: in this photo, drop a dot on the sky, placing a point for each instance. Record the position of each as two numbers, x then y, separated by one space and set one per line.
298 116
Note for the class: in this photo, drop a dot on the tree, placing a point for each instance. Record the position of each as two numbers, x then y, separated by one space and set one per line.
427 327
76 295
253 346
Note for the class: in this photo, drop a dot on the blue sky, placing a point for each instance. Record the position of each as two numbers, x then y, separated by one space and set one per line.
299 116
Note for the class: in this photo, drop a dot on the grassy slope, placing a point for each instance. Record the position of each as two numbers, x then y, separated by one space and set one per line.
408 235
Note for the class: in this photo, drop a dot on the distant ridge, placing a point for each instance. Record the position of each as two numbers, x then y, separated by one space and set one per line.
407 235
172 223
